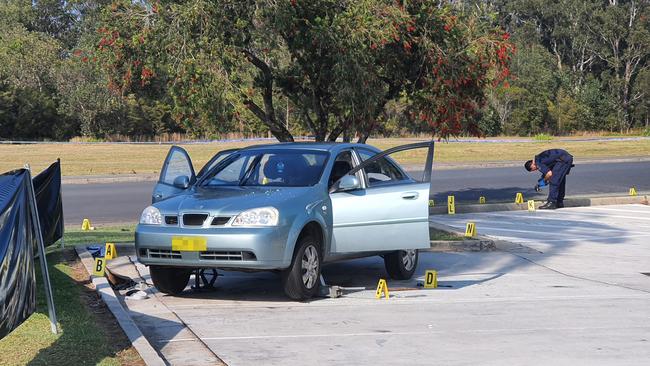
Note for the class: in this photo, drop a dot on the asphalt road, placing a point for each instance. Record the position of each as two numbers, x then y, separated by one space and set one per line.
123 202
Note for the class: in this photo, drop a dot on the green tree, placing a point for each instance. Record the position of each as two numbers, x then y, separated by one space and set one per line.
338 62
622 41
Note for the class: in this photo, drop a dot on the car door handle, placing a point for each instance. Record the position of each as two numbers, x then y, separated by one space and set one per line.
410 195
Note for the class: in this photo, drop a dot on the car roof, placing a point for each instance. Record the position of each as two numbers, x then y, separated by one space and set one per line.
323 146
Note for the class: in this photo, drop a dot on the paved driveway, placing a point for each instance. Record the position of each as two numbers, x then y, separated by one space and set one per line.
573 294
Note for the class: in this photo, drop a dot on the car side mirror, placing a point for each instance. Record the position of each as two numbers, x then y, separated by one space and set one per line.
348 183
182 182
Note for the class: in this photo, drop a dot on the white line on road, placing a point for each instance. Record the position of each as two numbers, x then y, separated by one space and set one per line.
383 334
582 238
328 303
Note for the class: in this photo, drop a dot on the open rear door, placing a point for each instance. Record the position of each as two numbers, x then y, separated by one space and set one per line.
176 169
390 211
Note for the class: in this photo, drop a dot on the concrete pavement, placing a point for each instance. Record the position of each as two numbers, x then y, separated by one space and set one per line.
574 293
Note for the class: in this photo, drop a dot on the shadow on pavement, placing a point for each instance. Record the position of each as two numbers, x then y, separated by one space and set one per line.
492 195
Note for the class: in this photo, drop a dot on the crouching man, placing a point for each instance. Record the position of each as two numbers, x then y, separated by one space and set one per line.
554 165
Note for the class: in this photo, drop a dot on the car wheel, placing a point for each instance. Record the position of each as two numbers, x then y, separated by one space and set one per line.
401 264
302 279
170 280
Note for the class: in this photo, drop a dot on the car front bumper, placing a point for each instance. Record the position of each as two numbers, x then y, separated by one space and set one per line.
228 247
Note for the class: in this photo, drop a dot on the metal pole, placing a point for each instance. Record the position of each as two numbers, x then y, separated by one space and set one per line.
61 195
41 253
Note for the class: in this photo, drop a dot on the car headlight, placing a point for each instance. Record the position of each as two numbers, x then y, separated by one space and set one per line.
264 216
151 216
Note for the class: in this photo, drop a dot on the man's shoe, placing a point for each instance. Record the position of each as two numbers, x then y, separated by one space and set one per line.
550 205
560 204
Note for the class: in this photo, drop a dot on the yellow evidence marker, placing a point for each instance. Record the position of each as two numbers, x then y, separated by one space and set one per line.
519 198
85 225
100 264
531 205
470 230
451 206
481 200
111 252
430 279
633 191
382 287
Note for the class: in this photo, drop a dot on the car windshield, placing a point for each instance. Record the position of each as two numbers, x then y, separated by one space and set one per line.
281 168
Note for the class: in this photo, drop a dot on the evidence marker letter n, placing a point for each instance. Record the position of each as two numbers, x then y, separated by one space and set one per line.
470 230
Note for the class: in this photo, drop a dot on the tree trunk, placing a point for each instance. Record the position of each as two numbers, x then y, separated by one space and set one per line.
267 116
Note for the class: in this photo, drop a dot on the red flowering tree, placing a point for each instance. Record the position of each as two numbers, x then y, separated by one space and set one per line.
338 62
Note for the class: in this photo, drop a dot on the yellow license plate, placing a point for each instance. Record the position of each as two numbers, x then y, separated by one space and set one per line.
189 243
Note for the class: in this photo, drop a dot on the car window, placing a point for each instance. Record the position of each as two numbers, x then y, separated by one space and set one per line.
216 159
232 173
342 165
277 168
382 171
177 165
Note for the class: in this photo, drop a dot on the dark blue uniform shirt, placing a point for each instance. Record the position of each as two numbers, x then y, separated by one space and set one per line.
547 159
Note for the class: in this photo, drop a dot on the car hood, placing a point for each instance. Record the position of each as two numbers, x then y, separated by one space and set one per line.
234 199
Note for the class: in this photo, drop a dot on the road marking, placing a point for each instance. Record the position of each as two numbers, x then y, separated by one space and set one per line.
389 333
577 230
600 208
537 216
591 238
370 301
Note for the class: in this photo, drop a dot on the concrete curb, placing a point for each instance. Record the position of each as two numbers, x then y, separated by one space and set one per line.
569 202
481 243
144 348
107 179
470 245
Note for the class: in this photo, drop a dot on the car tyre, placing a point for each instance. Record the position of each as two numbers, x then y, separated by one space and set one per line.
301 280
401 264
170 280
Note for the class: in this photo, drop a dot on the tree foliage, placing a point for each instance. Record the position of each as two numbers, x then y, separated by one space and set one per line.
325 68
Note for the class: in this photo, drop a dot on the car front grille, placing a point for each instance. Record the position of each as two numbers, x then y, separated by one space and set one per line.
220 220
227 256
163 254
171 220
194 219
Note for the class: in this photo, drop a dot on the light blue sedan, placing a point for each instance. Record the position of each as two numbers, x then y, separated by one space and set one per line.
290 207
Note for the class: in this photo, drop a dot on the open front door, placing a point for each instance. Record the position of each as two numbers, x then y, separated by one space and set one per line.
176 175
388 211
218 158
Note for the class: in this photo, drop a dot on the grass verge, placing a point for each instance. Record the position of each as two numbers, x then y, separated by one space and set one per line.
107 159
435 234
88 332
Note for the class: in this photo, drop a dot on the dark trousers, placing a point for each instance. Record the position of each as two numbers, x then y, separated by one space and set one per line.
558 180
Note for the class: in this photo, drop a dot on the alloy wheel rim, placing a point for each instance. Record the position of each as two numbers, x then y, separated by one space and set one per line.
310 267
408 259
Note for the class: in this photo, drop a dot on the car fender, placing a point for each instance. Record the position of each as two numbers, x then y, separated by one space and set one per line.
313 213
